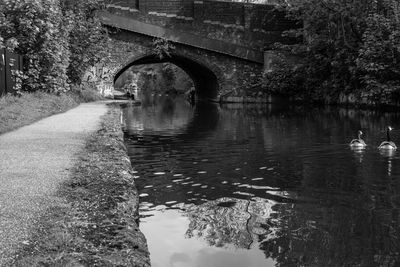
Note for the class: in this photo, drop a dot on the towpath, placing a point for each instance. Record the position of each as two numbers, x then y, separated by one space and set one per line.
34 161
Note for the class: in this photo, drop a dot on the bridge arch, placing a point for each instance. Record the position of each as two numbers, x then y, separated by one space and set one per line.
206 78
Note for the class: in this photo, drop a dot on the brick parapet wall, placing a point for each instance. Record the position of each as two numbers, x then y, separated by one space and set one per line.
181 8
251 25
225 13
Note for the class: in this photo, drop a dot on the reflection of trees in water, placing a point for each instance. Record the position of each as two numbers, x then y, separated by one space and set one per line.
168 107
240 224
158 113
359 231
335 239
352 218
301 234
335 121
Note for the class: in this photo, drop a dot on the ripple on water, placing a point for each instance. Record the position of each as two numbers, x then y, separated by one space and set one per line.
250 158
243 193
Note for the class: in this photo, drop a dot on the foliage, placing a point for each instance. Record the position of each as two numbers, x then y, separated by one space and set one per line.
59 39
87 40
348 47
379 55
162 47
155 78
85 93
168 75
285 79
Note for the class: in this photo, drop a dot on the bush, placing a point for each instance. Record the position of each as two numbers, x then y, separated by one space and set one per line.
59 40
348 47
86 94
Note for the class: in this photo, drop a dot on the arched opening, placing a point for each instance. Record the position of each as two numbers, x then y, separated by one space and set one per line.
204 79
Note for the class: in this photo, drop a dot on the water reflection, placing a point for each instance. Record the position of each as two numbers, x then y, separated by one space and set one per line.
170 246
240 224
359 153
388 155
280 181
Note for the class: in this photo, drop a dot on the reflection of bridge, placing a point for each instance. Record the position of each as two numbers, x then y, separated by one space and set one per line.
219 44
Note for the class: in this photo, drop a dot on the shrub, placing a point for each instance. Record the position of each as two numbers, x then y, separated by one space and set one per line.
59 39
86 94
349 46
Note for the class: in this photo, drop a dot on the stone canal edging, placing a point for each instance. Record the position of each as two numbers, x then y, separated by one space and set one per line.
97 225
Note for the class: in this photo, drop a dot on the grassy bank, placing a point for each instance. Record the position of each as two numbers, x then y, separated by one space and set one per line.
98 223
17 111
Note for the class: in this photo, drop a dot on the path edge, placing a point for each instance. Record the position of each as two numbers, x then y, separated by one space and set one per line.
96 222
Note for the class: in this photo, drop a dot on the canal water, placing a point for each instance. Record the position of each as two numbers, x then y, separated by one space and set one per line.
251 186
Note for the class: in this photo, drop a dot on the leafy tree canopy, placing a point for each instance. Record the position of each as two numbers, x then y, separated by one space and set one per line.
59 39
348 46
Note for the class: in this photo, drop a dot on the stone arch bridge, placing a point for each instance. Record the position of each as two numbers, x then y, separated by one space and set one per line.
222 46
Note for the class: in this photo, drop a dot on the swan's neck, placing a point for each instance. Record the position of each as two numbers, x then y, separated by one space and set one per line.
388 135
359 136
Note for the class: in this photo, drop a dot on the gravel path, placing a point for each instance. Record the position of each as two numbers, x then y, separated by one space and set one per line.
34 160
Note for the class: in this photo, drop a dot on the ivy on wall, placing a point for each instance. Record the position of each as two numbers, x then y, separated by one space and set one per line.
162 47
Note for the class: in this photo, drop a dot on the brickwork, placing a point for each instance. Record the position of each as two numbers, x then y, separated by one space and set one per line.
223 12
128 5
171 7
219 44
256 26
269 19
216 76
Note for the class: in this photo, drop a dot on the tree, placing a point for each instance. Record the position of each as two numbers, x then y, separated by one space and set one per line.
348 46
87 39
379 54
59 39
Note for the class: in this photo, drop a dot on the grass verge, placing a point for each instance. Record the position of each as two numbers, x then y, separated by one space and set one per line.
18 111
98 223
